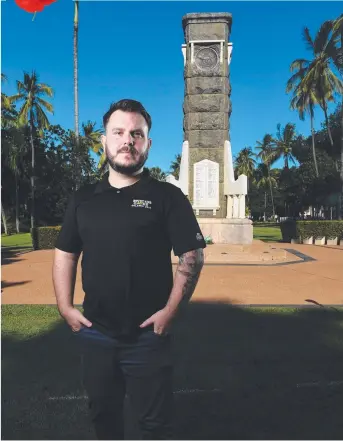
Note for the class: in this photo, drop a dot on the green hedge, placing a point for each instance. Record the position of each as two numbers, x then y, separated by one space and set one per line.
303 229
44 238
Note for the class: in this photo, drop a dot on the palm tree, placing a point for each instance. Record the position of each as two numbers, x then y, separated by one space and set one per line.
314 82
267 154
317 74
304 99
337 27
4 219
7 111
157 173
92 139
14 148
76 95
4 98
175 166
265 180
30 93
284 142
5 105
13 144
245 162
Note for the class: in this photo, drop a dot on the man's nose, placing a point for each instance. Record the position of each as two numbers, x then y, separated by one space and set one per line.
128 139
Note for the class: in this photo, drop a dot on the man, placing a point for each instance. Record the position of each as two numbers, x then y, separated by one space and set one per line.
126 226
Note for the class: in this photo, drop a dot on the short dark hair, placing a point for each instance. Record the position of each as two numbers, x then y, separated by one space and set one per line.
127 105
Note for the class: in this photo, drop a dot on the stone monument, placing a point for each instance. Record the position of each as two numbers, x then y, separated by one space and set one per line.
206 170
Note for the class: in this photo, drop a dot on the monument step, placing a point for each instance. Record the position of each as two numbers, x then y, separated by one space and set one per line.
257 252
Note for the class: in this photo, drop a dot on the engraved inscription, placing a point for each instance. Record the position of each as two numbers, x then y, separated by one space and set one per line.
206 184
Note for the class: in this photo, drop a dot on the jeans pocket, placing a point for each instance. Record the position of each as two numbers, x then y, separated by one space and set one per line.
79 330
164 335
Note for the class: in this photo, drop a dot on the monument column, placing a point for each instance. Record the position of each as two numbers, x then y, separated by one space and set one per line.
206 169
207 108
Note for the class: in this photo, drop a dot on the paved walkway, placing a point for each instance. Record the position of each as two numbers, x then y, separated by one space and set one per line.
26 279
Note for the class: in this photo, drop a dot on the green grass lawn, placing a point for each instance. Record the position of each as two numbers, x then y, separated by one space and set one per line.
250 373
21 240
267 234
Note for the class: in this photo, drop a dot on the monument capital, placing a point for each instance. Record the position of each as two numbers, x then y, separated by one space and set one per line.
207 17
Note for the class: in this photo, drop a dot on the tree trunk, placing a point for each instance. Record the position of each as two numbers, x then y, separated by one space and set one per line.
76 98
327 123
17 223
33 220
271 193
4 220
248 199
340 196
314 148
265 206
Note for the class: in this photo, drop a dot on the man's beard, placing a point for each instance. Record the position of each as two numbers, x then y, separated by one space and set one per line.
127 169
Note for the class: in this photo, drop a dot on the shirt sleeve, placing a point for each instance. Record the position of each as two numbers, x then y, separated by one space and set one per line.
69 239
182 226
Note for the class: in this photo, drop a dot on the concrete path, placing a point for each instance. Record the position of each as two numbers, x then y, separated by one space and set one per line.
314 275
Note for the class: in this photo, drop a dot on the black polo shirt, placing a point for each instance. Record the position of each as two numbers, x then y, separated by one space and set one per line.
126 236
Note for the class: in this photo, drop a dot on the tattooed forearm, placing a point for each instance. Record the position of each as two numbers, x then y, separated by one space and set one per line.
190 265
185 280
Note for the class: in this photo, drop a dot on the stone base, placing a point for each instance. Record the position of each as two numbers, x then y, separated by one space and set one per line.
232 231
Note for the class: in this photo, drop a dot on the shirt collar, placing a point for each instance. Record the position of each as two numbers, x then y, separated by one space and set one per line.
104 184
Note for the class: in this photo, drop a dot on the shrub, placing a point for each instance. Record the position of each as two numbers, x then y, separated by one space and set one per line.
291 229
208 240
44 238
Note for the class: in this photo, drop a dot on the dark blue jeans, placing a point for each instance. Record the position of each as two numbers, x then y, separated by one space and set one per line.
138 366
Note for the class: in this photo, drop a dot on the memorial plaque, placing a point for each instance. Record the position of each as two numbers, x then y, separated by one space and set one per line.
206 184
207 58
200 178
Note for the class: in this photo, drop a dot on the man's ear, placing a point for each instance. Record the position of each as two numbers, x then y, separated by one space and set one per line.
103 141
149 143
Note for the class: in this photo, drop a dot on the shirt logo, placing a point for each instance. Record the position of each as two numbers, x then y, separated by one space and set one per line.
140 203
199 236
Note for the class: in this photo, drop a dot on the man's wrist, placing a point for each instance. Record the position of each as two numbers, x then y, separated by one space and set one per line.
64 309
170 309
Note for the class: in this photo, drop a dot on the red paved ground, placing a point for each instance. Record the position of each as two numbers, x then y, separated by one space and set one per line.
27 280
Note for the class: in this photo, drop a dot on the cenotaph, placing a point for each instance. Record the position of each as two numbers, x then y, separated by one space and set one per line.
206 169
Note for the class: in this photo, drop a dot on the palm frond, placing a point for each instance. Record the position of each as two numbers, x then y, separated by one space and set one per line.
298 64
15 98
27 79
49 107
295 79
5 101
335 85
308 39
322 37
338 25
23 114
42 119
102 161
44 89
288 133
278 131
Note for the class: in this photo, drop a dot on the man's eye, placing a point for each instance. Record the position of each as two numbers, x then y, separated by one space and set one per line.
116 132
138 134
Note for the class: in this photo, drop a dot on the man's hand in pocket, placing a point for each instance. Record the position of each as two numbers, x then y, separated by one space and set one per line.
75 319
